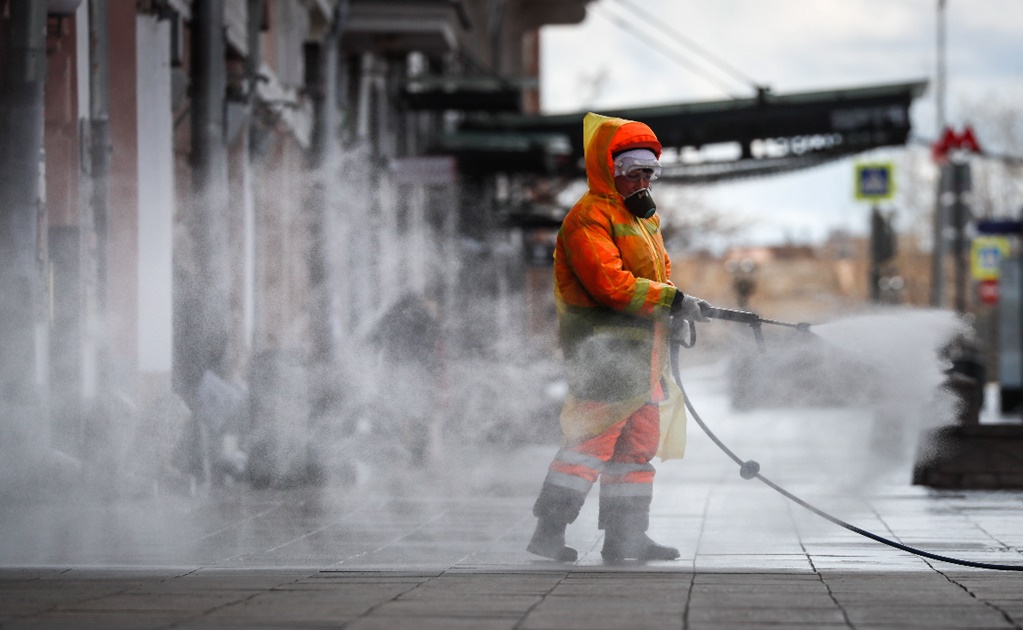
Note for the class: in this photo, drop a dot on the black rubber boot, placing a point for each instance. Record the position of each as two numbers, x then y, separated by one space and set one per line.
634 545
549 541
555 508
625 523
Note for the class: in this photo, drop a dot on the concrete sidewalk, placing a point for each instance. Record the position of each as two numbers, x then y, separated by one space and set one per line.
512 598
444 547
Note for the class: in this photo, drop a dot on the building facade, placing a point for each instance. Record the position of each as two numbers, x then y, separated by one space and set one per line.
203 197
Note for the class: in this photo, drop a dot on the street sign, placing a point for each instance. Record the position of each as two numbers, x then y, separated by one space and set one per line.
987 292
874 182
996 226
950 141
986 254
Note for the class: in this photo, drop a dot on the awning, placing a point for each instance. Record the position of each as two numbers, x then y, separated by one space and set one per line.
434 27
464 93
772 133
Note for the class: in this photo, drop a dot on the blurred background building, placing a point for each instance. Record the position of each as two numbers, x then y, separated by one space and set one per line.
207 205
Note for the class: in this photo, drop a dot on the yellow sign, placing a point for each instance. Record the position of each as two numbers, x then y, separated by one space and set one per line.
985 254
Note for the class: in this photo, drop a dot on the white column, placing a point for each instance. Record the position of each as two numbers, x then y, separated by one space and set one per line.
156 195
418 260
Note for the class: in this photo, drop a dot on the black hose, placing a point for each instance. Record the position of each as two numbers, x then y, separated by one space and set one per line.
750 469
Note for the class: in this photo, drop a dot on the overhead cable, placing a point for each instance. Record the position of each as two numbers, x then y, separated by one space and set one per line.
673 55
659 24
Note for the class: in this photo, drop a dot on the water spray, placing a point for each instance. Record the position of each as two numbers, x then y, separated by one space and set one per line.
750 469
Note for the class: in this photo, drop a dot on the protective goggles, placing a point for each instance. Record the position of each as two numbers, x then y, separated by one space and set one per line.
646 174
637 164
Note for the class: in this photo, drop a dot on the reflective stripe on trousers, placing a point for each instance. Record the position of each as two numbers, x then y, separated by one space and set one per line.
620 456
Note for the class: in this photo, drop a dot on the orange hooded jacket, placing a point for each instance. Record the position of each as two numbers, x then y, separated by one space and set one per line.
612 289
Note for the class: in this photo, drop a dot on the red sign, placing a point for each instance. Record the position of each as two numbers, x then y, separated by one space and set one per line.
987 291
951 140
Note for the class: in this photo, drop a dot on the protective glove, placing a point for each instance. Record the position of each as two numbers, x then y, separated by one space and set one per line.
689 307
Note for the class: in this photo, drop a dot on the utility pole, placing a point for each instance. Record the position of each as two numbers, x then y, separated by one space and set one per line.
959 171
953 189
883 247
940 219
939 81
22 377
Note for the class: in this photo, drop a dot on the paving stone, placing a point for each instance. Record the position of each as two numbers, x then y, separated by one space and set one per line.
77 621
895 597
304 606
19 574
484 605
431 623
765 578
473 585
775 615
927 616
769 625
194 603
761 600
633 618
776 588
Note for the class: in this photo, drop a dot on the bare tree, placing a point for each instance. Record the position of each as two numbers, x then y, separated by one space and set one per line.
689 223
918 180
590 86
998 174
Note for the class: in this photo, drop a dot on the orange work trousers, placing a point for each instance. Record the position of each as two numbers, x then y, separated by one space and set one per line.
620 456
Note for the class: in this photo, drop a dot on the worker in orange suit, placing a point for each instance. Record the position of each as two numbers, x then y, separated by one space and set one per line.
615 305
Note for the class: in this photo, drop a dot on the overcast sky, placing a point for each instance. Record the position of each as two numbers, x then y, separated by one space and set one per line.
790 46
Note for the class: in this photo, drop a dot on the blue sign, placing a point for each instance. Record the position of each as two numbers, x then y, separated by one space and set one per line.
874 182
995 226
986 254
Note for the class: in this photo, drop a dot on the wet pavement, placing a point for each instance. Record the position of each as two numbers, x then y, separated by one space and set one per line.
443 547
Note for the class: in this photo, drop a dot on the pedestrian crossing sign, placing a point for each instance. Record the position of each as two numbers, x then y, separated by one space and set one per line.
874 182
986 253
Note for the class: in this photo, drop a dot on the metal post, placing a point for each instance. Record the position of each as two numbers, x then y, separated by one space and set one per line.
1019 302
939 81
876 234
938 253
938 256
960 172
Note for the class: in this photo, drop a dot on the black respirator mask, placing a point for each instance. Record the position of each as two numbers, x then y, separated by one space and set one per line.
641 203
